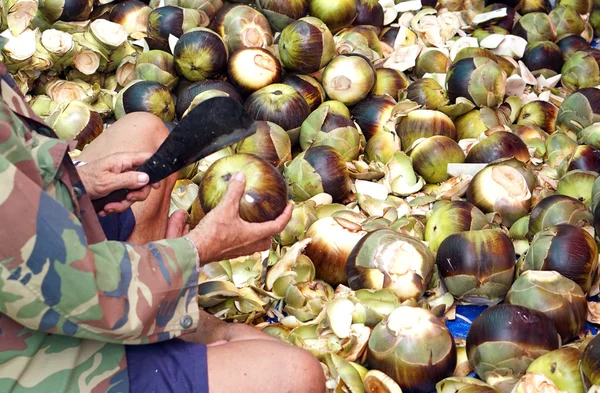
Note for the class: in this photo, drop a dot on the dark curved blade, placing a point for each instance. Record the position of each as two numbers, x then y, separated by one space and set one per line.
211 126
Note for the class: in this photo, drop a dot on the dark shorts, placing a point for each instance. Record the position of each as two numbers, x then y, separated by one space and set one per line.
118 226
173 366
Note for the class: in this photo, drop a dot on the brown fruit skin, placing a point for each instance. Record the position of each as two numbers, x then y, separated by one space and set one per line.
76 10
371 114
593 96
431 157
163 21
293 9
585 158
427 93
457 79
332 168
370 12
330 260
528 6
473 258
500 144
590 361
572 43
308 87
187 94
516 324
265 194
389 81
262 145
572 252
543 55
541 113
278 103
388 35
423 123
336 14
94 128
557 209
477 266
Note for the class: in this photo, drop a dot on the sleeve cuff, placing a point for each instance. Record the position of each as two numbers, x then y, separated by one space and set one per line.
195 250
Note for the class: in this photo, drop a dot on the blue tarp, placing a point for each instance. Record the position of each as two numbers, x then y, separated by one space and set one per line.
460 327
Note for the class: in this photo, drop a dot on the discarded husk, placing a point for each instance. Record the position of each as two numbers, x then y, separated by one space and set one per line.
387 259
510 197
145 96
333 239
74 120
414 348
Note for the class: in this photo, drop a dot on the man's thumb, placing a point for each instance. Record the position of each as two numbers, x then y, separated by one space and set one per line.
235 189
131 180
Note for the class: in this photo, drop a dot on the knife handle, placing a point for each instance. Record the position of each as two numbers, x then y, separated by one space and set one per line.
115 196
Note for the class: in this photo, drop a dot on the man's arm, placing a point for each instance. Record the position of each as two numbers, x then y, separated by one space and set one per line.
52 280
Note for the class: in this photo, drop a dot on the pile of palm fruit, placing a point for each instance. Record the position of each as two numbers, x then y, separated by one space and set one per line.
441 157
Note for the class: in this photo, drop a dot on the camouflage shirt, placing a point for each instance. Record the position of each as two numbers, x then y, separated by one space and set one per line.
69 299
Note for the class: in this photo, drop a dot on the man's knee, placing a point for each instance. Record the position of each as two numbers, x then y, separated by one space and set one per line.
134 132
310 375
143 124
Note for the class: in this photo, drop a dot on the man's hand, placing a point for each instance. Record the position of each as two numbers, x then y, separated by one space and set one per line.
111 173
222 234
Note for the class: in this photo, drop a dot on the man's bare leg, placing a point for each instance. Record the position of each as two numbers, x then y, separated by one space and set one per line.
241 358
141 132
257 366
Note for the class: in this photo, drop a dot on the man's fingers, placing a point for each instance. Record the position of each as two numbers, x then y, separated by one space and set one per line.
116 207
176 224
235 190
131 180
271 228
284 217
139 195
265 244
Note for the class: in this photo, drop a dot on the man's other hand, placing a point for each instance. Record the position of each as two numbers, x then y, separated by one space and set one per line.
111 173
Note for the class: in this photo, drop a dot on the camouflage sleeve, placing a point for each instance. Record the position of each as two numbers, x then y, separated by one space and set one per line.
52 280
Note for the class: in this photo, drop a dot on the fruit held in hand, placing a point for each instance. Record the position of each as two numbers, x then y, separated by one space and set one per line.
265 194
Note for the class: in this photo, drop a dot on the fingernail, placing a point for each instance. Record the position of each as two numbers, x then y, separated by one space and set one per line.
143 178
102 214
239 176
